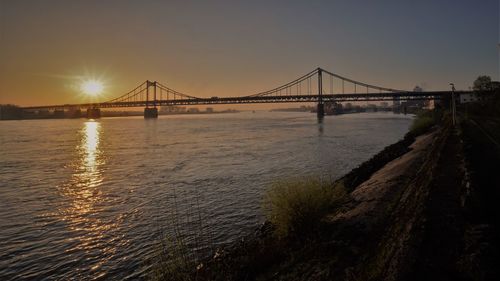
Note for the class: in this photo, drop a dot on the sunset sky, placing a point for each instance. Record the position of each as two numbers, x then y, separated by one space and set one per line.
233 48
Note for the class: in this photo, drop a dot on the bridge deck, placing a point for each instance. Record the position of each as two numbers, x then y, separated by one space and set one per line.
262 99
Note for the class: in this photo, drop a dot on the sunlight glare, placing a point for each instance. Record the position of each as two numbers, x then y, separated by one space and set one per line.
92 87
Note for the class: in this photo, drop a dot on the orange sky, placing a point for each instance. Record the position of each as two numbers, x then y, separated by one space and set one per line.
231 49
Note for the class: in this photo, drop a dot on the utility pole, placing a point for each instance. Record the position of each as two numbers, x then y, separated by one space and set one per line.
453 105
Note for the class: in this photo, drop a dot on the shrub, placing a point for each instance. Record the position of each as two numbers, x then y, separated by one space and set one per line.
297 206
422 123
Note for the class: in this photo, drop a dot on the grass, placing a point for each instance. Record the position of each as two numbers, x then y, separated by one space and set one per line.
296 207
184 244
174 261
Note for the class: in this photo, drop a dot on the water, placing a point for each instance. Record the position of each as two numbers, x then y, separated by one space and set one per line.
85 200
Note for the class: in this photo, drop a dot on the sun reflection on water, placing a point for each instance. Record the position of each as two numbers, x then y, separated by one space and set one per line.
89 154
83 188
85 214
87 176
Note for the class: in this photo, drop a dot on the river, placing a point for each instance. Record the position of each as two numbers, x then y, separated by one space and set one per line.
88 200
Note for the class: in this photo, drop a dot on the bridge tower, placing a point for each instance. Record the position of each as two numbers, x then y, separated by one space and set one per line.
321 106
150 112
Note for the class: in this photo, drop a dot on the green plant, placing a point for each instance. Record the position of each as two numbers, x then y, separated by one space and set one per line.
173 261
297 206
182 246
422 123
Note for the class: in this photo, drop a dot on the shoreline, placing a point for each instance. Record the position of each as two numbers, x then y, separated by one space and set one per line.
247 257
106 114
414 211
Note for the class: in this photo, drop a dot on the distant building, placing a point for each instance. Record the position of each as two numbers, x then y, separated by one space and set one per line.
305 108
209 110
416 103
44 113
169 109
58 113
333 108
74 112
470 97
9 111
193 110
477 95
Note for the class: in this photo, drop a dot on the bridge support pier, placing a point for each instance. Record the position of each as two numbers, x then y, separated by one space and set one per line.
150 112
93 113
321 110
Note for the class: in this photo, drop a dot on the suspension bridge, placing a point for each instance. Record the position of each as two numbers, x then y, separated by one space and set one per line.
319 86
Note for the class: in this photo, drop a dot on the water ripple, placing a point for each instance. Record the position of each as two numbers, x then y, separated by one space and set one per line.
88 200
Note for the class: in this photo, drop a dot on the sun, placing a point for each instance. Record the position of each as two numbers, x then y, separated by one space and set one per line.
92 87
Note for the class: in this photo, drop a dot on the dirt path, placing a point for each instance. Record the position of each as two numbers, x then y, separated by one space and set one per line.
371 199
410 214
378 214
438 254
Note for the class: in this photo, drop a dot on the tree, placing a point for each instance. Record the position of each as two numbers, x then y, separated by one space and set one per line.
482 83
